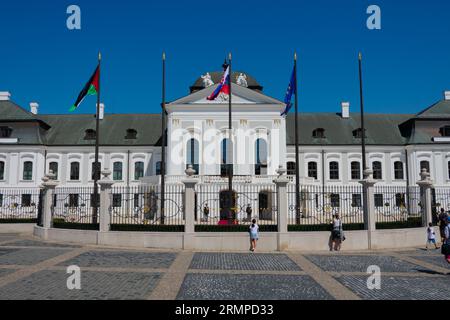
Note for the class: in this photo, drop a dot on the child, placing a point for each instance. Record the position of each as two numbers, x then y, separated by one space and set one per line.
253 230
431 236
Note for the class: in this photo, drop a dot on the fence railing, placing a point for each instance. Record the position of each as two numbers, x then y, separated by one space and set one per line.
19 205
319 204
139 208
397 206
75 208
250 201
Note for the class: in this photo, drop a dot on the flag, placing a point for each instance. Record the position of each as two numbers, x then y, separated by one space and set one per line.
90 89
289 93
224 85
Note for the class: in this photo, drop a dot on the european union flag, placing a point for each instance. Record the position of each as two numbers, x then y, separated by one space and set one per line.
290 91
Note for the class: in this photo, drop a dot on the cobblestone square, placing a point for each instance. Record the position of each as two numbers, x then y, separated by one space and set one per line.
243 261
28 256
399 288
360 263
118 273
251 287
51 285
122 259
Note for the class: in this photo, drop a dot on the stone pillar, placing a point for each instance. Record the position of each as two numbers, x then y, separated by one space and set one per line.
105 201
49 185
281 183
425 185
189 209
369 214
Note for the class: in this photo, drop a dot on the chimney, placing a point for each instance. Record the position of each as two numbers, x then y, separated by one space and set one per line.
5 96
34 107
101 112
447 95
345 110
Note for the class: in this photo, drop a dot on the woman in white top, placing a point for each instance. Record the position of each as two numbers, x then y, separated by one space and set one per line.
337 233
254 235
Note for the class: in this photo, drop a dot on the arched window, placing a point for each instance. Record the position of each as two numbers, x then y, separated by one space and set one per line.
377 170
312 169
355 167
2 170
318 133
192 154
226 157
334 170
75 171
117 171
261 157
93 170
398 170
28 170
53 167
425 165
138 170
291 168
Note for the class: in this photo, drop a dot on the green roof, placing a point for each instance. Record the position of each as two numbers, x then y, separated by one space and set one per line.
381 129
10 111
71 129
440 109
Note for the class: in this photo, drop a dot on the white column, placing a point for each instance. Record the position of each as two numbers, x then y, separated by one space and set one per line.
49 186
282 203
425 185
189 209
369 205
105 201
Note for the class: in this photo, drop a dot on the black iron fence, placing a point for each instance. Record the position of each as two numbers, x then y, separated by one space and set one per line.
318 205
19 205
397 207
440 201
76 208
248 201
138 208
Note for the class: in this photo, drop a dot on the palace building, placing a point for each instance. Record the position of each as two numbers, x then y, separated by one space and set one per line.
399 146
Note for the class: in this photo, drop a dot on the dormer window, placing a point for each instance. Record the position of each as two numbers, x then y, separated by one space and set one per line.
131 134
319 133
5 132
90 134
445 131
357 134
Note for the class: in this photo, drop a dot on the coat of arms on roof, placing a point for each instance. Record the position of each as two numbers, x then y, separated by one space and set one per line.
207 81
241 80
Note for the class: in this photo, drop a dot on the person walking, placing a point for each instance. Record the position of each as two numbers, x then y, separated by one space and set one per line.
337 233
431 236
446 243
254 235
442 223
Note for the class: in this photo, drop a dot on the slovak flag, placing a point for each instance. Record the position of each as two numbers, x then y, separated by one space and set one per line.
224 85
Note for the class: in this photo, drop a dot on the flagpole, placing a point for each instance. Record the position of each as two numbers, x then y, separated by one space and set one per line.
97 137
363 130
163 135
230 143
297 156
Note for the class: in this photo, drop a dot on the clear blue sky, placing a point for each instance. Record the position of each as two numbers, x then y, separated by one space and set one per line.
407 63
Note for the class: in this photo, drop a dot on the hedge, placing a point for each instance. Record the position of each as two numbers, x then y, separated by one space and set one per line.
234 228
12 220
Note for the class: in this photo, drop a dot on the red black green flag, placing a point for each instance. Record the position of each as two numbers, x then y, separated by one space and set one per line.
90 89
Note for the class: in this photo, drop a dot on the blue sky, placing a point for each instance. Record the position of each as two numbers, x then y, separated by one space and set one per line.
406 64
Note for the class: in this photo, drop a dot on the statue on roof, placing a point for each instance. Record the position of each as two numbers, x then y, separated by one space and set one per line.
241 80
207 81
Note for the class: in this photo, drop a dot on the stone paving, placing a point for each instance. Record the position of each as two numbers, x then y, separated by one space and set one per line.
34 269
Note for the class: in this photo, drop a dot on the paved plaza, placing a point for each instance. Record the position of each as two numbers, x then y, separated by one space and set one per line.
34 269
